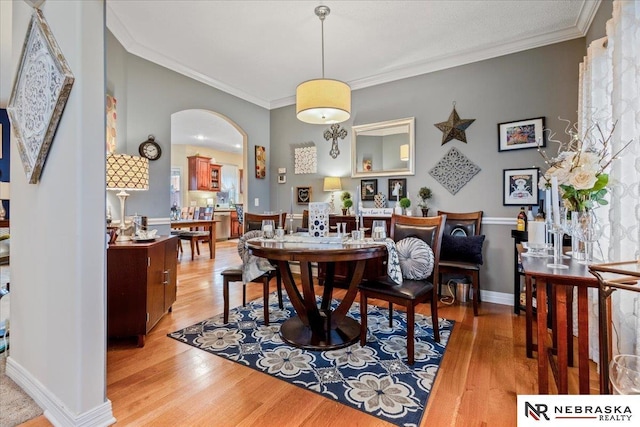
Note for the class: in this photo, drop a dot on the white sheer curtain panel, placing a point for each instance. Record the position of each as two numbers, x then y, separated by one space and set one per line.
610 92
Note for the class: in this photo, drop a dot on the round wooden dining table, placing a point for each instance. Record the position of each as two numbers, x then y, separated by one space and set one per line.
318 327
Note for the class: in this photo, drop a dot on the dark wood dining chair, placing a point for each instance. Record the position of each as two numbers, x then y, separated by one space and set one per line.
253 221
234 274
411 292
464 259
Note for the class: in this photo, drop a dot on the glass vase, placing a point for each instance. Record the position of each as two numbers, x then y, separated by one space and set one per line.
588 230
577 245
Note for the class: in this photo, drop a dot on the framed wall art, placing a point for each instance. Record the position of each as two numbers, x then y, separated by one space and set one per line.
527 133
369 188
111 125
303 195
40 92
397 189
261 162
520 187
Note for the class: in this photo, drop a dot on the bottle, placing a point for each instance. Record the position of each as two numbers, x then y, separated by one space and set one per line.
521 225
530 215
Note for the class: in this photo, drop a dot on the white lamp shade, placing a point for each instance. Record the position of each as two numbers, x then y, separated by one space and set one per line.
404 152
125 172
332 183
323 101
5 191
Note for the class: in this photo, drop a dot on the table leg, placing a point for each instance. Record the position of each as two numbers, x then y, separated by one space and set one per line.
212 241
314 328
529 316
543 366
583 340
561 331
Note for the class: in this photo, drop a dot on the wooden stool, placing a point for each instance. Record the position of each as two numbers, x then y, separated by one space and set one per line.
235 275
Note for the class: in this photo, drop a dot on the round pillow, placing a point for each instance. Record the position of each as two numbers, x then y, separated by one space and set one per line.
416 258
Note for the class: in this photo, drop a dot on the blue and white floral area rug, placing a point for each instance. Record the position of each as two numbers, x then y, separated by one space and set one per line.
374 379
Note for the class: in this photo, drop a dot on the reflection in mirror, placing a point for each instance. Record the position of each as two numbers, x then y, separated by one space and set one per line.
383 149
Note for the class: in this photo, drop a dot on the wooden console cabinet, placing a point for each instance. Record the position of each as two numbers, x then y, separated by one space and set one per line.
141 285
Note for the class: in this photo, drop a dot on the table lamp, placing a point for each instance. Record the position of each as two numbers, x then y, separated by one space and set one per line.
5 191
332 183
125 172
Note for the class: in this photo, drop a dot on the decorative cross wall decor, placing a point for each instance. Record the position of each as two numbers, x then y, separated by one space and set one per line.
334 134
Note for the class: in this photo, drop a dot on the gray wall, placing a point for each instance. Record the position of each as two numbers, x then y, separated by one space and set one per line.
535 83
598 25
147 95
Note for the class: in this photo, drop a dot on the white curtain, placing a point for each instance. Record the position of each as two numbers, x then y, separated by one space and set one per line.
610 92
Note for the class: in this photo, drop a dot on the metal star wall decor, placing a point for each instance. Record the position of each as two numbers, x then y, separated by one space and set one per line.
454 127
334 134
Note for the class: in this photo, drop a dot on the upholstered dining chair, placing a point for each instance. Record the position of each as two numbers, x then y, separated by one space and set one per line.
411 292
462 249
234 274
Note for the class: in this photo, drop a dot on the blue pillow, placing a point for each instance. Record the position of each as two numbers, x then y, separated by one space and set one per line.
462 248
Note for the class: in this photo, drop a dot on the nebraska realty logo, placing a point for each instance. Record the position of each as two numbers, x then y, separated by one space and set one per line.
578 410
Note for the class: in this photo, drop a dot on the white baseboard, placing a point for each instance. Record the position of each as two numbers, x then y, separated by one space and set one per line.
54 410
496 297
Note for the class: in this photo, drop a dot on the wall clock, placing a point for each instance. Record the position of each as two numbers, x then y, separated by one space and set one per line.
150 149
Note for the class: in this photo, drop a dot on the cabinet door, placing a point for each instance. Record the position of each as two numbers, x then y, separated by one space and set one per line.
215 173
170 272
199 173
126 292
155 285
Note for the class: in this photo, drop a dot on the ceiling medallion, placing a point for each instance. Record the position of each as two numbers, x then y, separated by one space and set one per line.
454 127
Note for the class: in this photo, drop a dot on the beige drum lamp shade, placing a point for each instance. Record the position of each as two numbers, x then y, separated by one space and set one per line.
323 101
332 183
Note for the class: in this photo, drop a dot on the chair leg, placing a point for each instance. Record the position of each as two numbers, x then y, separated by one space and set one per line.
475 277
192 249
363 319
197 247
279 287
434 317
244 294
391 315
265 296
411 325
225 297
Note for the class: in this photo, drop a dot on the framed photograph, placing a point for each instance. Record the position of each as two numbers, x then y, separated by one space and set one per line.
282 179
40 92
303 195
368 188
261 162
397 189
527 133
520 187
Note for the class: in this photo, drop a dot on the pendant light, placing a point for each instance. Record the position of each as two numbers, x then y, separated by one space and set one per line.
323 101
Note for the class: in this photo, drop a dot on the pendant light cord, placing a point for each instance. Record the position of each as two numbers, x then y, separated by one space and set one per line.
322 14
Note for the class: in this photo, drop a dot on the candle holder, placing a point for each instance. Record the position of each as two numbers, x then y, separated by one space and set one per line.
290 228
558 233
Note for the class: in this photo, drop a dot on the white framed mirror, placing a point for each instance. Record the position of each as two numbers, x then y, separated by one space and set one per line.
383 148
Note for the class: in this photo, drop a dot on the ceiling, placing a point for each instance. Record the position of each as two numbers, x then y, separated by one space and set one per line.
261 50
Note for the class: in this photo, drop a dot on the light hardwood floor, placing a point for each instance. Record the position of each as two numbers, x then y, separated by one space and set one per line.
167 383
